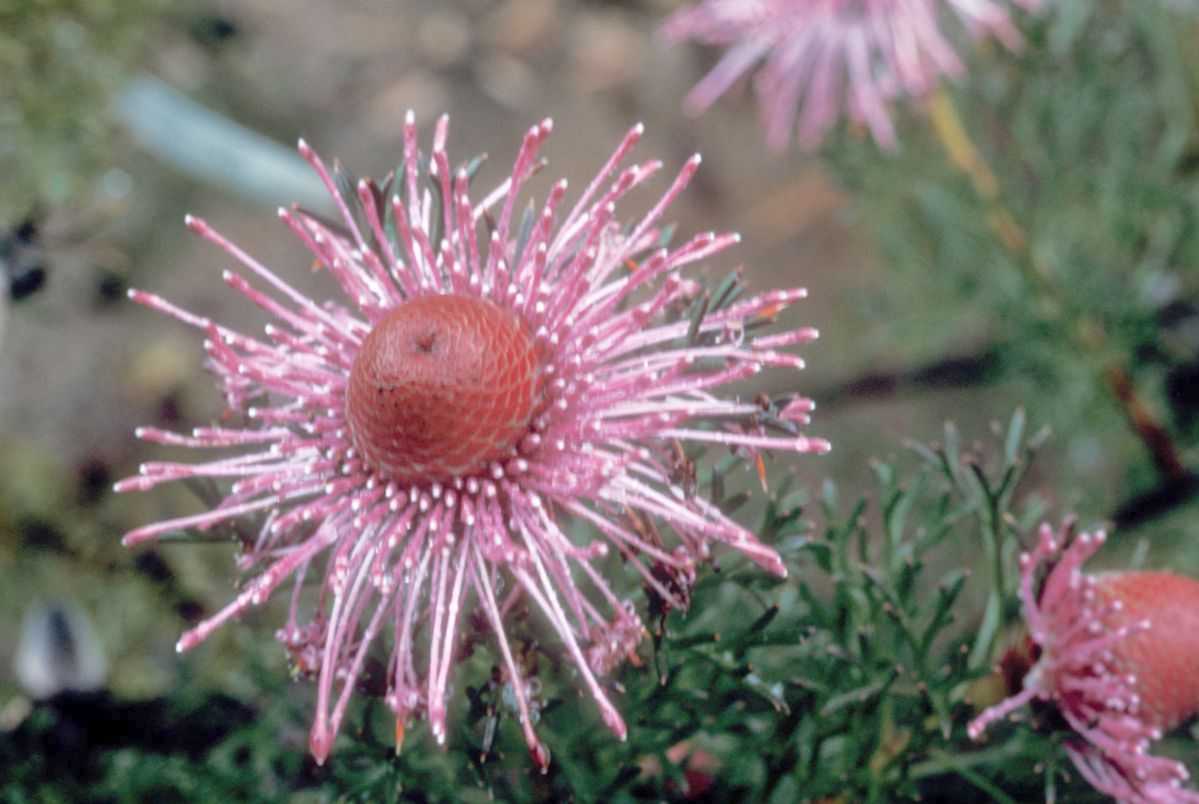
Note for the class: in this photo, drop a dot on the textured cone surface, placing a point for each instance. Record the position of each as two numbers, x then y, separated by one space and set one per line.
1164 658
441 386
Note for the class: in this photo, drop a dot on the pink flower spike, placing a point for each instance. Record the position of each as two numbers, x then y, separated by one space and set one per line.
1118 653
817 61
422 440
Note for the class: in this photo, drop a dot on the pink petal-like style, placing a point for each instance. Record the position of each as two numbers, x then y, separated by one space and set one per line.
815 61
628 377
1082 673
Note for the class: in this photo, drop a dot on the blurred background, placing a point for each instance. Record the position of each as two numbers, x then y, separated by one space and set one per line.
117 118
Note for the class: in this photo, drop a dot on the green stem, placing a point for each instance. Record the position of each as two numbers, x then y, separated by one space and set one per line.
939 762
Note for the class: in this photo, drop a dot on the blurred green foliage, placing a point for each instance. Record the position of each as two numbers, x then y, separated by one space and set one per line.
1089 136
61 62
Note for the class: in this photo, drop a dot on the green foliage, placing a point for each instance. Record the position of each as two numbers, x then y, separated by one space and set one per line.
851 680
97 748
833 682
1074 238
61 62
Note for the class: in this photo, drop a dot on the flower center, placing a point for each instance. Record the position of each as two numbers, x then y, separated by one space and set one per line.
441 386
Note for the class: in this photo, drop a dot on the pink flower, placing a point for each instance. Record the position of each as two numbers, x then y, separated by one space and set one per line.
818 59
491 382
1117 658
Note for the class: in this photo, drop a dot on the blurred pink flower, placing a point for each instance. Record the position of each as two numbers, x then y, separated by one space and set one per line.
1117 658
818 59
490 382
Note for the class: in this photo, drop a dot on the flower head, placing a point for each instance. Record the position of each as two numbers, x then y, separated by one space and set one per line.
819 59
1118 653
494 374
